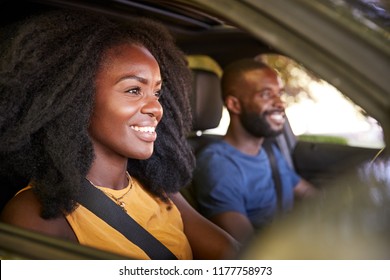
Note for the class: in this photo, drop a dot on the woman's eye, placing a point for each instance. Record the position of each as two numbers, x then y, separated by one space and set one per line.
135 91
158 93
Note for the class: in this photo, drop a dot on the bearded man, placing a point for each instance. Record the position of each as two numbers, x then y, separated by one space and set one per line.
233 182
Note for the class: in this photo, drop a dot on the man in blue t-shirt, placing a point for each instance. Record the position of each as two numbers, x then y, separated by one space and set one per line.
233 181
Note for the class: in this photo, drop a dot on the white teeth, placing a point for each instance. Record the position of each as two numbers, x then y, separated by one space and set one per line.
277 117
149 129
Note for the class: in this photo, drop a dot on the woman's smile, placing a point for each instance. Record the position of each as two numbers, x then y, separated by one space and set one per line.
127 108
145 133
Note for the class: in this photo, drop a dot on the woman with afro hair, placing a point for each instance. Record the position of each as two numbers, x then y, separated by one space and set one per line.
82 97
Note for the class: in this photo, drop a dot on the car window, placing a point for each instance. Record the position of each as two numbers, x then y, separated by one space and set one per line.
372 14
317 111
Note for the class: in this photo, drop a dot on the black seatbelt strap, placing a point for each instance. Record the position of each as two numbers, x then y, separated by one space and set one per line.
97 202
275 173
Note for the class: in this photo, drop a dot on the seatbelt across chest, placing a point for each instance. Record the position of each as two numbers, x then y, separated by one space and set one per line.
275 174
103 207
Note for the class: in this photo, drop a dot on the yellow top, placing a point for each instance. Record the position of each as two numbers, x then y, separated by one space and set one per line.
160 219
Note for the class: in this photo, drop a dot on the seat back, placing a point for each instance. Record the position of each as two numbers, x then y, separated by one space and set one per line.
206 106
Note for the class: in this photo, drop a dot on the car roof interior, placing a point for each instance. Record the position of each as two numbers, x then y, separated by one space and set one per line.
188 26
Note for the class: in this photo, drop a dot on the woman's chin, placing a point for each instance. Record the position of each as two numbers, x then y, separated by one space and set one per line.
143 155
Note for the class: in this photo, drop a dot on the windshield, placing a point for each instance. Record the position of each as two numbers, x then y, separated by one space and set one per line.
373 14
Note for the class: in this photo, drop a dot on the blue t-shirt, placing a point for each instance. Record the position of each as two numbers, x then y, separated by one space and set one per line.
225 179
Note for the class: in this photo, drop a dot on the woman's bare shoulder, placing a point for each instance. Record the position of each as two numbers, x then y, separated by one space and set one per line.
24 210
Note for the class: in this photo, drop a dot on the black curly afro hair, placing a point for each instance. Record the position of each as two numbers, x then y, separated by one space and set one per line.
47 80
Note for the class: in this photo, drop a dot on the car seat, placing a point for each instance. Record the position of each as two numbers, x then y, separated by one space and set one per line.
206 105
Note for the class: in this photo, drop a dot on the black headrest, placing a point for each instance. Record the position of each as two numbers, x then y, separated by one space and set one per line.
206 100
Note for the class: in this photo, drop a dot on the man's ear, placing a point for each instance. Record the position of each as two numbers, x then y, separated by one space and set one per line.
233 104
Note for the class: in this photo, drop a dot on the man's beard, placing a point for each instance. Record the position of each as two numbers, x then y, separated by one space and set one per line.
257 125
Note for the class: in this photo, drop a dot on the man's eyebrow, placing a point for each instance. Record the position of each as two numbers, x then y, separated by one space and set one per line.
138 78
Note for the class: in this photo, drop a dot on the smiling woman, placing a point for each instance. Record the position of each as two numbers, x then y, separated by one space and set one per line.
88 112
128 89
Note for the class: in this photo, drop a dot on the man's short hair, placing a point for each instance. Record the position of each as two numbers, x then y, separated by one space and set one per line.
235 70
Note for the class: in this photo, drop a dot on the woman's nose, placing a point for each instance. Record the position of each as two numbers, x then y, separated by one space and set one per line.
153 107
